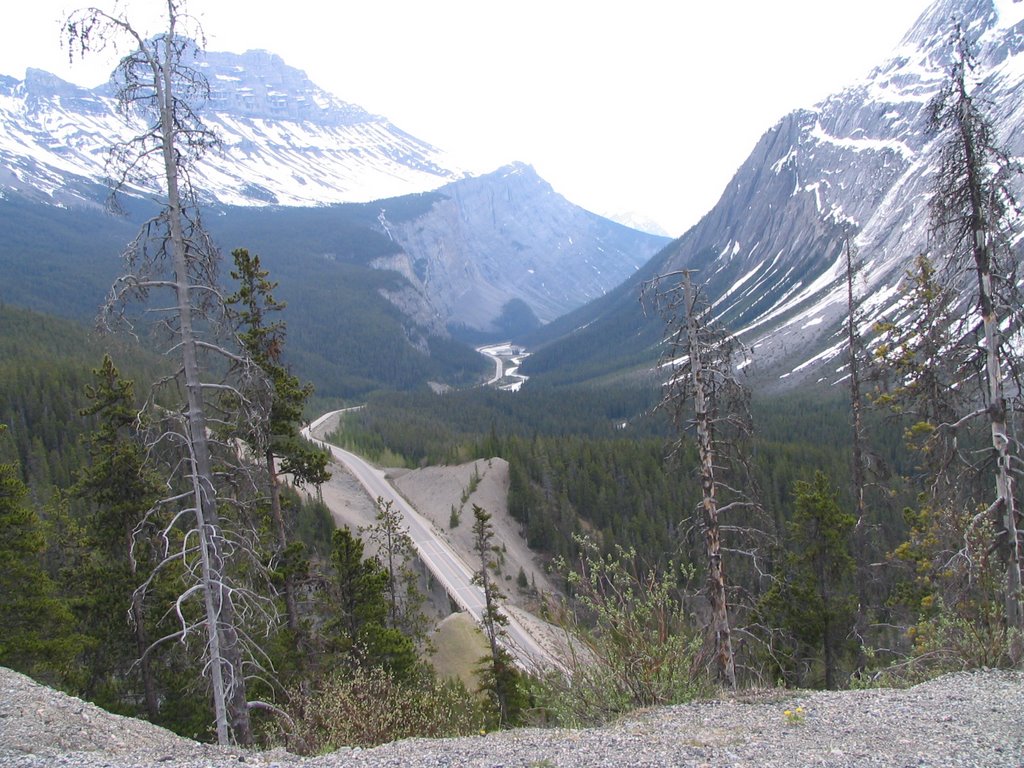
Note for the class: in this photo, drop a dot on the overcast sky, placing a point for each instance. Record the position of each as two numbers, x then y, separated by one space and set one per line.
644 106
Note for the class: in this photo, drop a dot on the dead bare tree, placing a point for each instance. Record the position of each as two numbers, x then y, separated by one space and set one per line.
159 94
856 362
703 393
974 217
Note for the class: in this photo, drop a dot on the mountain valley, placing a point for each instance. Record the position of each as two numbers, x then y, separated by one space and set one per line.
493 351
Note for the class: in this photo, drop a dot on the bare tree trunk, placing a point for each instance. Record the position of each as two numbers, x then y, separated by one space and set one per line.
859 481
1000 441
145 668
142 642
222 640
993 368
290 601
152 76
828 628
712 538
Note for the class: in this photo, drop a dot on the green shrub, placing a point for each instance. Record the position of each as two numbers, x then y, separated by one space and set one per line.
632 644
367 707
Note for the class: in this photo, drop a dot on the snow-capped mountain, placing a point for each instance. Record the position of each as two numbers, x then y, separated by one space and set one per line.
859 164
494 253
282 139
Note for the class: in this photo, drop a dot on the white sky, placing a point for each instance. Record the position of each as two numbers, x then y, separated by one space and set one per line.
646 106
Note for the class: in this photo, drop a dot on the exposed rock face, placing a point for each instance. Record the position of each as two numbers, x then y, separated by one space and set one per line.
502 252
859 165
509 236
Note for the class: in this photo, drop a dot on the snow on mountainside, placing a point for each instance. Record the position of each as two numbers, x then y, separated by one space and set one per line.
496 253
860 163
283 140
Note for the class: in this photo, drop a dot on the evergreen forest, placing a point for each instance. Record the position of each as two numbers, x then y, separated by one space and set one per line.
165 550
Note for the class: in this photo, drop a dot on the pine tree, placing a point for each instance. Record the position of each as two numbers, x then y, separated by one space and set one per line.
278 437
704 392
813 597
857 364
500 676
173 255
360 607
36 636
120 489
397 554
973 217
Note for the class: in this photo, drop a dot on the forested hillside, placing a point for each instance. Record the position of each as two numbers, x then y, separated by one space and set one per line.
864 528
344 334
78 538
45 365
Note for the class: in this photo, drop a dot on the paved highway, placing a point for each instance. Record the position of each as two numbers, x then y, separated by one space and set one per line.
443 562
507 358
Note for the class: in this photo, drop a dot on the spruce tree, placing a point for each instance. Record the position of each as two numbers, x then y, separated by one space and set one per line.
119 488
282 448
813 597
36 626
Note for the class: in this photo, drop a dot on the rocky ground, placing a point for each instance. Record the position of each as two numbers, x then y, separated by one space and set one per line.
965 719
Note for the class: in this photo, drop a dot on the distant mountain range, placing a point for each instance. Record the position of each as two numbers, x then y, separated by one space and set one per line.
283 140
440 253
480 257
770 253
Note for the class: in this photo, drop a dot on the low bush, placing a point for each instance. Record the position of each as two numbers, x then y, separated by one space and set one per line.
632 644
366 707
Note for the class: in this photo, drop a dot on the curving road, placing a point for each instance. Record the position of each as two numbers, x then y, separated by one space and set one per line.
443 562
507 357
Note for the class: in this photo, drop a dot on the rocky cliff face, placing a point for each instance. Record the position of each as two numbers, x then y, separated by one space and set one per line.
859 165
508 237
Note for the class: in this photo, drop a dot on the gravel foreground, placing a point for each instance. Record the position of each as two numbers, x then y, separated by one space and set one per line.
963 719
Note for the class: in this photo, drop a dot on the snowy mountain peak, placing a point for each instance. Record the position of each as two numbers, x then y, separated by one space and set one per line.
858 166
258 84
994 27
283 140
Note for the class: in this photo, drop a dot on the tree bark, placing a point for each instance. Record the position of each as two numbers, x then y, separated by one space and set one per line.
719 629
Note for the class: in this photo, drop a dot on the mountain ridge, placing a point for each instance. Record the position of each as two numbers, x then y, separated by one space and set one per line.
490 254
858 166
282 139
